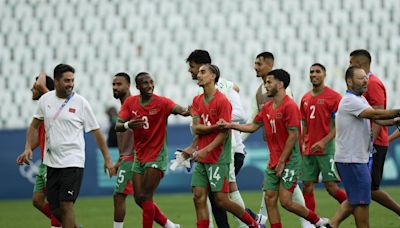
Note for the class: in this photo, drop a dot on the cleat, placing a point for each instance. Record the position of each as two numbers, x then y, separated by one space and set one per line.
323 223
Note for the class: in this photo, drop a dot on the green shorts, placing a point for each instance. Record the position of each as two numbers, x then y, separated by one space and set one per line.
123 184
40 179
214 176
160 163
313 165
288 179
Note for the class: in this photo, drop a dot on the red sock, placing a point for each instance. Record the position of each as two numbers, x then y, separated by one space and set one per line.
310 200
148 214
246 218
312 217
276 225
46 210
340 195
55 222
203 223
159 217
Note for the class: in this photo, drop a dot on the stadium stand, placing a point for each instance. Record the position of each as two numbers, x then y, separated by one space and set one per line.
100 38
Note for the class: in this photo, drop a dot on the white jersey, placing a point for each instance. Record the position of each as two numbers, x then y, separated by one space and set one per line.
64 124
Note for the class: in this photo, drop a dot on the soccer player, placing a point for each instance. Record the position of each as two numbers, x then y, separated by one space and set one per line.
42 85
318 108
354 145
211 171
123 185
196 59
65 114
263 64
281 120
146 114
376 97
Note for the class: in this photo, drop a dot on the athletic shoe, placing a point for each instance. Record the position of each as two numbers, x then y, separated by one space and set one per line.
323 223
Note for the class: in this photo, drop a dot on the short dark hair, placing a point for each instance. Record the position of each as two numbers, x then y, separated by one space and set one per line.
140 75
350 72
49 82
215 70
124 75
281 75
199 56
60 69
361 52
320 65
266 55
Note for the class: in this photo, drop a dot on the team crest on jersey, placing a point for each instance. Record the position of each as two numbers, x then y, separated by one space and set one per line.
321 101
72 110
213 112
153 111
279 115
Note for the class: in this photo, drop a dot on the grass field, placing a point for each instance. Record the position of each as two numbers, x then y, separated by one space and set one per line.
97 212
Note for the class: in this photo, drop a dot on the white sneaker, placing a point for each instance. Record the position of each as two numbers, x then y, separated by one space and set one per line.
323 223
306 223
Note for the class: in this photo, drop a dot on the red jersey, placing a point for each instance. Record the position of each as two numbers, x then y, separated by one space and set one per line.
276 120
318 111
42 139
209 113
150 140
376 95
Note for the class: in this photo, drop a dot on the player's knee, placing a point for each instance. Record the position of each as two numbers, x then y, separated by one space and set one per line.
37 203
139 199
308 187
331 187
199 198
286 203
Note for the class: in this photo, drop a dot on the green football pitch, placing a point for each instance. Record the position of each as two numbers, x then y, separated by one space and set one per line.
97 212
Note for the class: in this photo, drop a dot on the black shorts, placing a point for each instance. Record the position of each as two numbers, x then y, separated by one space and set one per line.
377 166
238 163
63 184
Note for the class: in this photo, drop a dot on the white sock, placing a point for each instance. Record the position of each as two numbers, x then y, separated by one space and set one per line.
56 227
299 198
263 207
237 198
210 215
118 224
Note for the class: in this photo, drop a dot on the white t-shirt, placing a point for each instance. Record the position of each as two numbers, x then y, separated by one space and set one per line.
353 133
65 144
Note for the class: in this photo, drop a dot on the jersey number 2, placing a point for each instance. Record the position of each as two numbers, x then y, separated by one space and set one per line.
312 114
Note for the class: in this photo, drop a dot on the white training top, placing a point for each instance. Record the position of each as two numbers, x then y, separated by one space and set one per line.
353 133
65 144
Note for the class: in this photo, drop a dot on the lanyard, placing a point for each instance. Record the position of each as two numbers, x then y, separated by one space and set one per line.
62 106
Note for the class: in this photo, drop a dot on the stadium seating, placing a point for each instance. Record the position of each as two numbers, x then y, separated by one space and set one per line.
101 38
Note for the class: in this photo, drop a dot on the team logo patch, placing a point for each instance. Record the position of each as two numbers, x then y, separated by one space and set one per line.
279 115
153 111
213 111
321 101
72 110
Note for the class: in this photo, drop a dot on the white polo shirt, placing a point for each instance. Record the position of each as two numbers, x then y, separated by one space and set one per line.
65 144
